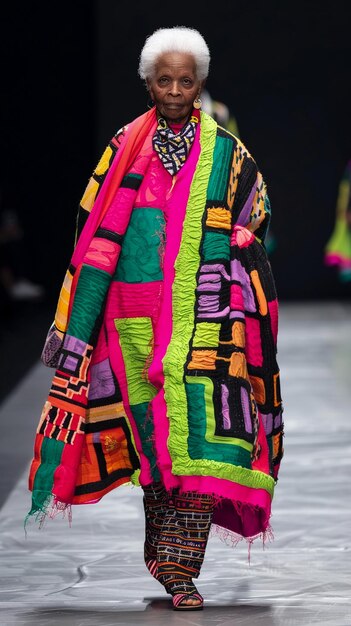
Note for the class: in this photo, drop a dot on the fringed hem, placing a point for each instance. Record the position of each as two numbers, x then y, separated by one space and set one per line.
231 538
50 509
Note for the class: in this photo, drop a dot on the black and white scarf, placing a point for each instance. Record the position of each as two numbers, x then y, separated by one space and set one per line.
173 148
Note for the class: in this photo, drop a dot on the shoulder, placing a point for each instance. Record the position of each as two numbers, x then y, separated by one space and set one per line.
227 142
119 136
135 126
226 134
239 145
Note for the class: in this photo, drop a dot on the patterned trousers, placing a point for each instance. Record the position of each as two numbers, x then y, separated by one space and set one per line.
176 534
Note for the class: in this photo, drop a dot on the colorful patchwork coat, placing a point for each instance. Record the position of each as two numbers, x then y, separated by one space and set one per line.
165 334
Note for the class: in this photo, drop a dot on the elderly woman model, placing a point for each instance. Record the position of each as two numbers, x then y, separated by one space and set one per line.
164 340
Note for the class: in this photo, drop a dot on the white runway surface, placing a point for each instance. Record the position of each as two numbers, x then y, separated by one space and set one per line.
92 573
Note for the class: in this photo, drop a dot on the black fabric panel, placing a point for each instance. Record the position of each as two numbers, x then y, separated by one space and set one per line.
247 179
104 233
108 480
82 217
131 182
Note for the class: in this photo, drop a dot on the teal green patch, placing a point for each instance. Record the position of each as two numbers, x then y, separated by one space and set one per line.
202 442
50 452
132 181
145 425
91 290
133 175
136 338
206 335
142 247
222 157
215 246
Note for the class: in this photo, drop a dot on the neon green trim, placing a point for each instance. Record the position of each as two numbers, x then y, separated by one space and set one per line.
184 287
134 479
135 337
226 471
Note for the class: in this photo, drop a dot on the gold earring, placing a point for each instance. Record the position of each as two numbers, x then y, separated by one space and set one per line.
197 103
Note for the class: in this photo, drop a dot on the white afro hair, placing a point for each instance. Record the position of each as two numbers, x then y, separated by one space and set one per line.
176 39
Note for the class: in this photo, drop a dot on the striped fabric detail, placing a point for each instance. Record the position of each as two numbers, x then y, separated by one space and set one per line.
183 540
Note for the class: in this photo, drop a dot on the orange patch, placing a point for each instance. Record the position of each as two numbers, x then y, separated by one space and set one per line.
262 302
258 389
203 360
238 334
276 386
276 444
115 451
238 365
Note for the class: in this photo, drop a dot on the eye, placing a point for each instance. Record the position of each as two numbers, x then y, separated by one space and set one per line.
163 80
187 81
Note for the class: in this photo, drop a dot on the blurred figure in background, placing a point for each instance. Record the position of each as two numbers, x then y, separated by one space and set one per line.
14 284
338 248
220 112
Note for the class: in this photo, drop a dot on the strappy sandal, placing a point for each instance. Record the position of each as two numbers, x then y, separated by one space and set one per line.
178 600
184 590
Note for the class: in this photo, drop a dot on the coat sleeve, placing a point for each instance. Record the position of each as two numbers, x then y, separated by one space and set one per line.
96 180
55 337
254 299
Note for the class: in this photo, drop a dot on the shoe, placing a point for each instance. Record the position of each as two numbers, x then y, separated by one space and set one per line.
179 604
184 590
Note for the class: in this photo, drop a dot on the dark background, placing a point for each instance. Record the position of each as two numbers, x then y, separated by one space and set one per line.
69 81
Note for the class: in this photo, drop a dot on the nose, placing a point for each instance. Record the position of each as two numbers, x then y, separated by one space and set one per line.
174 89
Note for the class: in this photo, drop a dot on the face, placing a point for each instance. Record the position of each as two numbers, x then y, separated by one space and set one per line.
174 86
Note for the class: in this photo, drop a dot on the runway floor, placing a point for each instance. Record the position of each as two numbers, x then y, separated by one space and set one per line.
92 573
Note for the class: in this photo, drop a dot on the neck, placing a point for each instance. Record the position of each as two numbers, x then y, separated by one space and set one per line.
172 122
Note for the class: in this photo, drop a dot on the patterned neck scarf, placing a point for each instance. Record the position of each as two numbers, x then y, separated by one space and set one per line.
173 148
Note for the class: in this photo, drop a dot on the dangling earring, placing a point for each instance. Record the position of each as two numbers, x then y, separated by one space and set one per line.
150 103
197 103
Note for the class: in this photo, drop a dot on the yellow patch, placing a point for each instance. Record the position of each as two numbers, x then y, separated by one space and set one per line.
219 218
